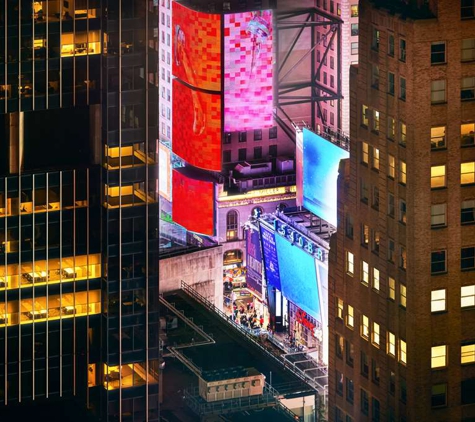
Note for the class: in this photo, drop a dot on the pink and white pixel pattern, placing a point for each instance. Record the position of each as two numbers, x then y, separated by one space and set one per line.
248 83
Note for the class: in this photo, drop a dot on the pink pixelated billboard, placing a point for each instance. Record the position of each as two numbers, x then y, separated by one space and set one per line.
248 80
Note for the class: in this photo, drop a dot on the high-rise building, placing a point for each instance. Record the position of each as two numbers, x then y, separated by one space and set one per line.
78 205
402 323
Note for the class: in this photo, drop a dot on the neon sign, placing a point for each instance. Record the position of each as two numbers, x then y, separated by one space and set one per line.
298 239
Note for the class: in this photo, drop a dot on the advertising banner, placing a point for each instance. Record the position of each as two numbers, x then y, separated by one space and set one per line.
271 263
254 261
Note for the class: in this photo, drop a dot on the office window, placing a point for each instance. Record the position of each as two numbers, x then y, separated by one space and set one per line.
354 29
339 383
467 173
437 300
437 177
403 392
467 353
232 225
350 319
350 264
354 10
402 211
364 272
242 137
375 371
375 163
375 40
258 135
350 391
391 84
438 262
402 172
392 383
438 215
391 45
391 205
391 166
467 296
391 128
467 9
364 402
438 92
467 134
391 344
402 295
339 342
364 152
402 50
376 116
467 214
437 52
242 153
439 395
376 410
339 308
468 391
257 153
364 190
364 327
402 258
364 364
392 288
375 240
227 156
391 250
338 414
438 356
375 199
354 48
402 133
273 132
375 338
375 76
273 150
437 137
402 88
467 91
467 259
332 62
365 235
468 49
349 226
364 115
350 352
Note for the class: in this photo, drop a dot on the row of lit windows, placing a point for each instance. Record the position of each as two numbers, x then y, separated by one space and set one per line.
127 195
438 260
438 139
127 156
438 177
439 355
128 375
438 300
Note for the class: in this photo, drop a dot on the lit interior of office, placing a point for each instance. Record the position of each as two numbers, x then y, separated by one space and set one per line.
127 156
127 195
50 308
53 10
130 375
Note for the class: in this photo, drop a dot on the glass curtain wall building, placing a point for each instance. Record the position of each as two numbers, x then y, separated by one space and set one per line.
78 204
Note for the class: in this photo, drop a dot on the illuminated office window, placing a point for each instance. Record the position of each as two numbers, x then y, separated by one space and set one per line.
467 296
391 344
391 128
437 300
364 115
364 272
365 235
402 133
391 166
350 264
437 137
467 134
402 295
232 224
376 158
375 335
80 43
402 172
437 177
438 356
340 305
402 352
467 353
365 152
354 10
392 288
375 279
350 321
467 173
364 327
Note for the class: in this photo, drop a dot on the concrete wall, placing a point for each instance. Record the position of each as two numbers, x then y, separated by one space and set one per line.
203 270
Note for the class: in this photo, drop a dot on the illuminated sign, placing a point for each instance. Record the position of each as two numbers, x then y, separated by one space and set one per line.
248 61
164 179
296 238
271 263
301 317
253 261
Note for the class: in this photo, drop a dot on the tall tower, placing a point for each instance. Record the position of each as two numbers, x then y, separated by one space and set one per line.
402 270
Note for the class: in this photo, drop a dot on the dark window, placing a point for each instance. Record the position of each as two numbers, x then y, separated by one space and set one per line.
392 383
349 349
468 391
467 9
391 83
375 371
339 345
375 201
375 40
273 132
403 387
439 395
242 154
402 89
468 212
349 226
391 45
242 136
257 153
467 258
364 365
232 223
258 135
437 52
354 29
227 138
273 150
227 156
438 262
338 415
339 383
364 402
375 412
350 391
402 50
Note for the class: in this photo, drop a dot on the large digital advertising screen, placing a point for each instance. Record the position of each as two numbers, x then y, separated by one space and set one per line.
299 167
193 202
248 62
196 46
271 263
164 169
254 260
321 160
197 127
298 277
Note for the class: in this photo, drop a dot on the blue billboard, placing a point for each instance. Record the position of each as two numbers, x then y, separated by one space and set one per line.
254 260
298 277
271 263
321 160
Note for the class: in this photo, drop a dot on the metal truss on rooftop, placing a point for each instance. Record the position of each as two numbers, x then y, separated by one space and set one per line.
298 85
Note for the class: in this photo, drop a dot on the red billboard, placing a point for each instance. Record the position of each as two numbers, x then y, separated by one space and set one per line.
196 47
193 202
197 127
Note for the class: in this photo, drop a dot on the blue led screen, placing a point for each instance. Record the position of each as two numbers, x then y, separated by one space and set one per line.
253 261
298 277
321 159
271 263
